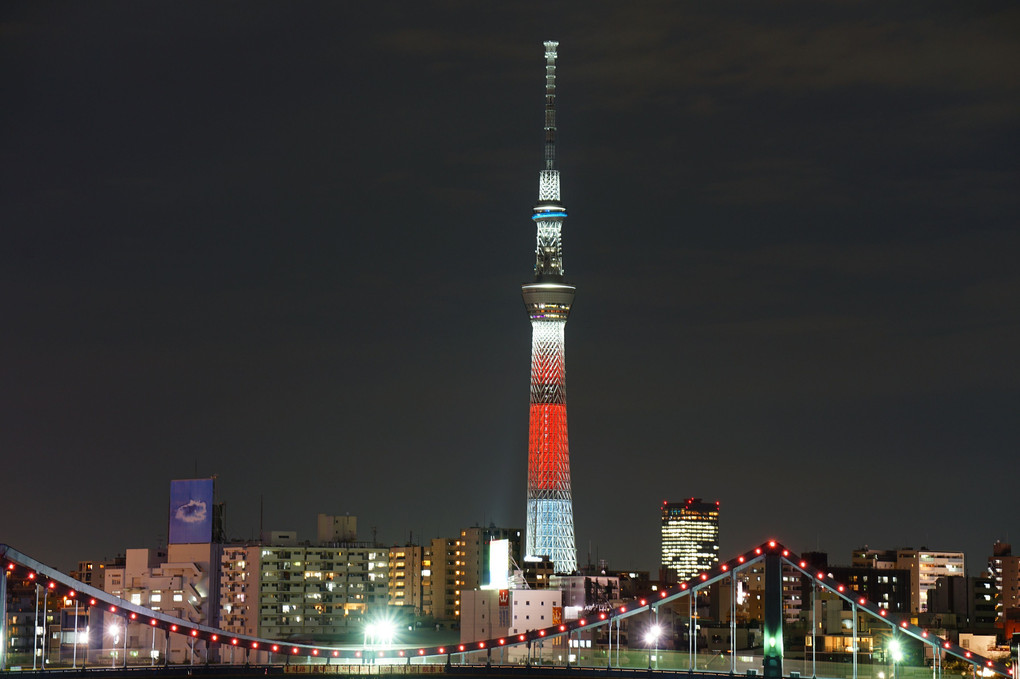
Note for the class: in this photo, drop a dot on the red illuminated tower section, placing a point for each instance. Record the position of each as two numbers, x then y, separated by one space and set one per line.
550 523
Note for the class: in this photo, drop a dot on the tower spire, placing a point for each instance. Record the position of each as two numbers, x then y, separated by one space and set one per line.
550 522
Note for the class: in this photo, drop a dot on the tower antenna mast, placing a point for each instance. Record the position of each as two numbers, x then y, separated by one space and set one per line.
550 512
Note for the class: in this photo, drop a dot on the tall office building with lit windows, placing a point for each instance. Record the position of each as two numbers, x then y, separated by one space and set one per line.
690 537
550 521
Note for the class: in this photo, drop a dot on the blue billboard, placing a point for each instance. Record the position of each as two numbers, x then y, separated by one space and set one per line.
191 511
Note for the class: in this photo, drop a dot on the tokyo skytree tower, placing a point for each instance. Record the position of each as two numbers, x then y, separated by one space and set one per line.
550 528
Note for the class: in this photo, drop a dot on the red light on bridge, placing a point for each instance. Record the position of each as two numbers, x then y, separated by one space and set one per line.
725 567
51 585
337 653
152 622
275 648
704 576
840 588
967 654
772 544
315 651
481 644
563 628
521 637
803 564
173 628
582 622
254 644
602 616
71 593
134 616
357 654
883 613
421 651
31 576
234 642
821 576
946 645
541 632
904 624
113 609
92 602
442 650
786 552
293 649
989 663
400 653
194 632
10 567
214 637
502 642
461 647
862 601
683 585
757 550
623 609
643 602
740 559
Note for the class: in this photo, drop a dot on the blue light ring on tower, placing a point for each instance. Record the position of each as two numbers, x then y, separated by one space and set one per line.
549 215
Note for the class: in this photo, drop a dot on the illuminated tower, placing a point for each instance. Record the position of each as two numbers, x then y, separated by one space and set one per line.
550 529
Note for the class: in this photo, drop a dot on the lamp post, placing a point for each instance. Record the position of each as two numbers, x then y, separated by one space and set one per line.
652 639
115 632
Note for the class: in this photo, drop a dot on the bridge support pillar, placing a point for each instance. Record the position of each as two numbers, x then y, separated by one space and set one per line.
773 661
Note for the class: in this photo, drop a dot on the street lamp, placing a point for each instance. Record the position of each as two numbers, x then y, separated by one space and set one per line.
897 654
652 639
114 631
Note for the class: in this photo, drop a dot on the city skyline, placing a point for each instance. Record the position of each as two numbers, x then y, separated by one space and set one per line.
244 244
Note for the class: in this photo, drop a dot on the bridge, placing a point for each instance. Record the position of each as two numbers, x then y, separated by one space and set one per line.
504 653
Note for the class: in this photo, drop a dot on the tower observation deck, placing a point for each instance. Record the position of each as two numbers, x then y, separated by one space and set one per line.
550 521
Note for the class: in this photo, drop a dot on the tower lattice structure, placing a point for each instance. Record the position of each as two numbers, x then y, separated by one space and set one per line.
550 523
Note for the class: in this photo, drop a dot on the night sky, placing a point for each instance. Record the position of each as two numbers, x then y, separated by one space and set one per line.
283 243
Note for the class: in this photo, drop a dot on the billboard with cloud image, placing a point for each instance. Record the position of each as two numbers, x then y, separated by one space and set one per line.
191 511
